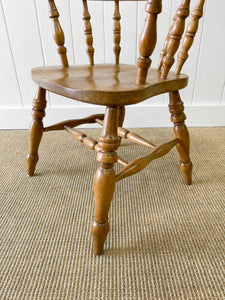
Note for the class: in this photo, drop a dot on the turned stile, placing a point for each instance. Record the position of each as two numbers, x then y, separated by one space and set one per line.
148 39
189 35
58 33
116 32
175 34
88 32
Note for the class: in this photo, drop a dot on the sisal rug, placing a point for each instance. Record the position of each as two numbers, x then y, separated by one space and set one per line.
167 240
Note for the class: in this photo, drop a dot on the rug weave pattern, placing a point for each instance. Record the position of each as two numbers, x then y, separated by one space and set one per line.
166 241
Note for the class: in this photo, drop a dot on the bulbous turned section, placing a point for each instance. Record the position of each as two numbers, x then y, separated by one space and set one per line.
105 178
190 33
58 33
88 33
148 39
174 36
36 130
180 131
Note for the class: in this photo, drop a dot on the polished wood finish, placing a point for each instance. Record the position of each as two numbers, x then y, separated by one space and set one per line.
115 86
105 178
189 35
148 39
83 138
74 123
178 117
36 130
163 51
116 32
174 37
121 116
140 163
58 33
88 32
135 138
89 83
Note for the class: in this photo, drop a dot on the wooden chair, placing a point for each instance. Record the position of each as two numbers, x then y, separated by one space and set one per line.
115 86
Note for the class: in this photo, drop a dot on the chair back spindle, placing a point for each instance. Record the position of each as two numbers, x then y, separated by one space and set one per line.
175 34
117 32
88 32
163 51
148 39
58 33
189 35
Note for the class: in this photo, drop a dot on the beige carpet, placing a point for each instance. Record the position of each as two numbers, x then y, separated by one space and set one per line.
167 240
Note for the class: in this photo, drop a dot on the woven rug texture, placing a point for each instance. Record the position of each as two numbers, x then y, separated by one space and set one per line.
166 240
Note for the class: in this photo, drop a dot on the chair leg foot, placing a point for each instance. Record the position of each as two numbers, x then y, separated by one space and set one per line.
36 130
180 131
99 232
186 169
31 164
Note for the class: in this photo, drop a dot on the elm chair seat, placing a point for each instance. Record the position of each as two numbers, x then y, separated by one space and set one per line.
106 84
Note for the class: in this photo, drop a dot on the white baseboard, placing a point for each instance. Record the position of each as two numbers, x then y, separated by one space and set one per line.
136 116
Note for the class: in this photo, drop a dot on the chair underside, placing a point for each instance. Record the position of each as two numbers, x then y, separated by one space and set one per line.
107 84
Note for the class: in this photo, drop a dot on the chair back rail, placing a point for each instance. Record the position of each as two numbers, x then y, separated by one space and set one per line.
148 36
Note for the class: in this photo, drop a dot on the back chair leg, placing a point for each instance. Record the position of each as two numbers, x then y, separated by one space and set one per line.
121 118
178 117
104 181
36 130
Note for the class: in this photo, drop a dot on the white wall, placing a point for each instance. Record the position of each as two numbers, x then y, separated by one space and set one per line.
25 39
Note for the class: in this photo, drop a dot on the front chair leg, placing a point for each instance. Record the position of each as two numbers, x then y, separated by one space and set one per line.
178 117
104 181
36 130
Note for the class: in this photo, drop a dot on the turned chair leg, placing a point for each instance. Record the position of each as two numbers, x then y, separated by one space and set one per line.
36 130
121 116
178 117
104 181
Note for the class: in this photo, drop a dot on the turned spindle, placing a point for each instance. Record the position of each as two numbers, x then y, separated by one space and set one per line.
88 32
116 32
175 34
188 39
58 33
148 39
163 51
